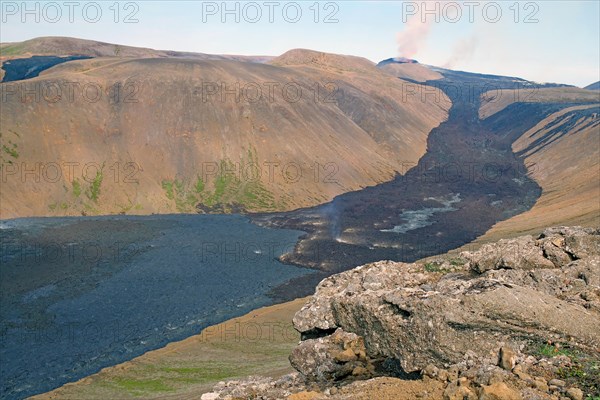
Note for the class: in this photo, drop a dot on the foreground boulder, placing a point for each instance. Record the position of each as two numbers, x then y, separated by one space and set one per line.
509 293
333 357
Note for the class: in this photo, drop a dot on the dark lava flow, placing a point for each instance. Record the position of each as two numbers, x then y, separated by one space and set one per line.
26 68
468 180
78 294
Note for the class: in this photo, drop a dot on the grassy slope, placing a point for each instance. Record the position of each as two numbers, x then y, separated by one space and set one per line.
186 369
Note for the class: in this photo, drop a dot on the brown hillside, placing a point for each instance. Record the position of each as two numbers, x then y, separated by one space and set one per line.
167 144
493 102
393 113
563 155
415 72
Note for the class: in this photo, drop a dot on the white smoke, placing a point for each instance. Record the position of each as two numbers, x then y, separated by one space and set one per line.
413 37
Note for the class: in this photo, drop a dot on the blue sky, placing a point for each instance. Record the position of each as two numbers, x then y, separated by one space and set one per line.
559 43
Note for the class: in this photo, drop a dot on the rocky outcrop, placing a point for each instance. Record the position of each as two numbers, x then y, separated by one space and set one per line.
520 253
507 295
511 292
490 325
333 357
555 248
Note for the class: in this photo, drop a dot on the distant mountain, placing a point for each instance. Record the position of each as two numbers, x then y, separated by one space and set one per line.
30 57
593 86
411 70
397 60
67 46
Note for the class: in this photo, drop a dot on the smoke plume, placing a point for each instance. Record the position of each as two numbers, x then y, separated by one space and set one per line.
413 37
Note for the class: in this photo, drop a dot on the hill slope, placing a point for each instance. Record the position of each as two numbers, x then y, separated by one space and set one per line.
62 46
562 153
56 47
228 135
593 86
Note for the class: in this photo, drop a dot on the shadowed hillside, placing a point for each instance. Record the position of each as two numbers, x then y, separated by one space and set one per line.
493 102
562 153
593 86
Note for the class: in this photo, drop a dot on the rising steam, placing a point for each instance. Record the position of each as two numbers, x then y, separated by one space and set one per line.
413 37
416 32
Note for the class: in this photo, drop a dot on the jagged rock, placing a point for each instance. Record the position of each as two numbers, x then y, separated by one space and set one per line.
554 248
587 269
306 395
533 394
508 358
453 373
442 375
458 391
345 356
540 384
257 387
490 374
554 251
499 391
518 370
417 318
332 358
317 315
574 394
519 253
557 382
579 242
431 371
